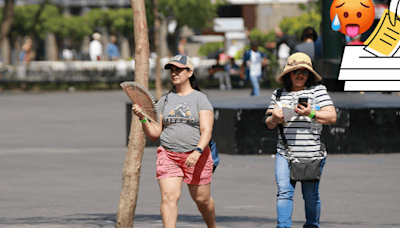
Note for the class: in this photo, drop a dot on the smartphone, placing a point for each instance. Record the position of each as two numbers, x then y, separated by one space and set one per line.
303 101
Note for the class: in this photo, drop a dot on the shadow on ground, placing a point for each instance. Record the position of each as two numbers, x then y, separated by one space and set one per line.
103 220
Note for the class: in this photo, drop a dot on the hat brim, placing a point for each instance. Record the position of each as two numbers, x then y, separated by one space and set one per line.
180 65
316 78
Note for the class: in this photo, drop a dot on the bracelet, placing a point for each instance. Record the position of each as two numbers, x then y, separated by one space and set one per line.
312 114
143 120
273 121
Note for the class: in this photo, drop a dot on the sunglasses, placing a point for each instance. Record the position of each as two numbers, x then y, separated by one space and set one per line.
177 69
304 72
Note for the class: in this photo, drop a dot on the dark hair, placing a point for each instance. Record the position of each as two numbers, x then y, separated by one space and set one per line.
255 43
193 82
309 32
287 83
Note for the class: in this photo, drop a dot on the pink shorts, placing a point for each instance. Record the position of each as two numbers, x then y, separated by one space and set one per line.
172 164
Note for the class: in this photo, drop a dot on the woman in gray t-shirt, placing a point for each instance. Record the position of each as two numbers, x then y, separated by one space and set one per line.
184 156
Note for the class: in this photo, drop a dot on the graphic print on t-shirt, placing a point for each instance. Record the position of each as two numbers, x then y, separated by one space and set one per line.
181 114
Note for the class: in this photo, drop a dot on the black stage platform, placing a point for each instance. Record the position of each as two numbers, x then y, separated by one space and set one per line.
367 123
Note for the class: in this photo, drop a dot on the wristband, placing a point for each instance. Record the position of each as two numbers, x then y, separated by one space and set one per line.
312 114
199 150
143 120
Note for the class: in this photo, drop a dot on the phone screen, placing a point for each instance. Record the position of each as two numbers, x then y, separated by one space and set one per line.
303 100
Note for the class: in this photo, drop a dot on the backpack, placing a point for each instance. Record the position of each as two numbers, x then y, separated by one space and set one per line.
214 153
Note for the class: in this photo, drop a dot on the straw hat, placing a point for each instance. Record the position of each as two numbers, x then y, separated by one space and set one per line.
297 61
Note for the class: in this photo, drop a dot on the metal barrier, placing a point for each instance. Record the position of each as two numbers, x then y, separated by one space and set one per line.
81 71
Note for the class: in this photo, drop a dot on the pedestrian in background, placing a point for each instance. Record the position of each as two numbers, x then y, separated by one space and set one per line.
307 46
302 132
233 70
283 54
96 48
181 46
67 53
185 132
218 71
112 49
26 51
253 62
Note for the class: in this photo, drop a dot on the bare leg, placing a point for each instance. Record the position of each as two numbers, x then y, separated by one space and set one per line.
201 195
170 188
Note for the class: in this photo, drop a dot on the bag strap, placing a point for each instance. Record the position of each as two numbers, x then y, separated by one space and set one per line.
280 128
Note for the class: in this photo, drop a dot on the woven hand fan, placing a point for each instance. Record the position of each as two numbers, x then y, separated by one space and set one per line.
142 97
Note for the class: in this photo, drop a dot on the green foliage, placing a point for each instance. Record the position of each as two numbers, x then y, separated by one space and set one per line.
312 6
24 18
317 6
295 25
49 21
74 27
257 34
210 47
115 20
302 6
193 13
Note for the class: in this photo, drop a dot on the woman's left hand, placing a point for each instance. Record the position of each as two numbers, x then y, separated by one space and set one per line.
193 158
303 110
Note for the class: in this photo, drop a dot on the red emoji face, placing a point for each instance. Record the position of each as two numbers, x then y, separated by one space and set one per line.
352 17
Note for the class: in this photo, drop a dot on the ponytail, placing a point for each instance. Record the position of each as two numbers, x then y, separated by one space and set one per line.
193 83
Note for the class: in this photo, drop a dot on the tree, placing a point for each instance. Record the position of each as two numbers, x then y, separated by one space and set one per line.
137 139
117 20
36 20
37 15
193 13
74 28
7 19
210 47
257 34
295 25
312 6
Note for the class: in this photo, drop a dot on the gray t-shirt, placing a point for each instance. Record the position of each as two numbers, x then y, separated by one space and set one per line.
181 131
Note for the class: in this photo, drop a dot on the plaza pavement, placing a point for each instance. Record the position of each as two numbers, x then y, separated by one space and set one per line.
62 154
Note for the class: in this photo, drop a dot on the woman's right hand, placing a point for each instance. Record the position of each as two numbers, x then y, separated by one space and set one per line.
277 115
137 111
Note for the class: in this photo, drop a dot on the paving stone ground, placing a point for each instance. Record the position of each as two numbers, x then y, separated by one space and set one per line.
62 154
